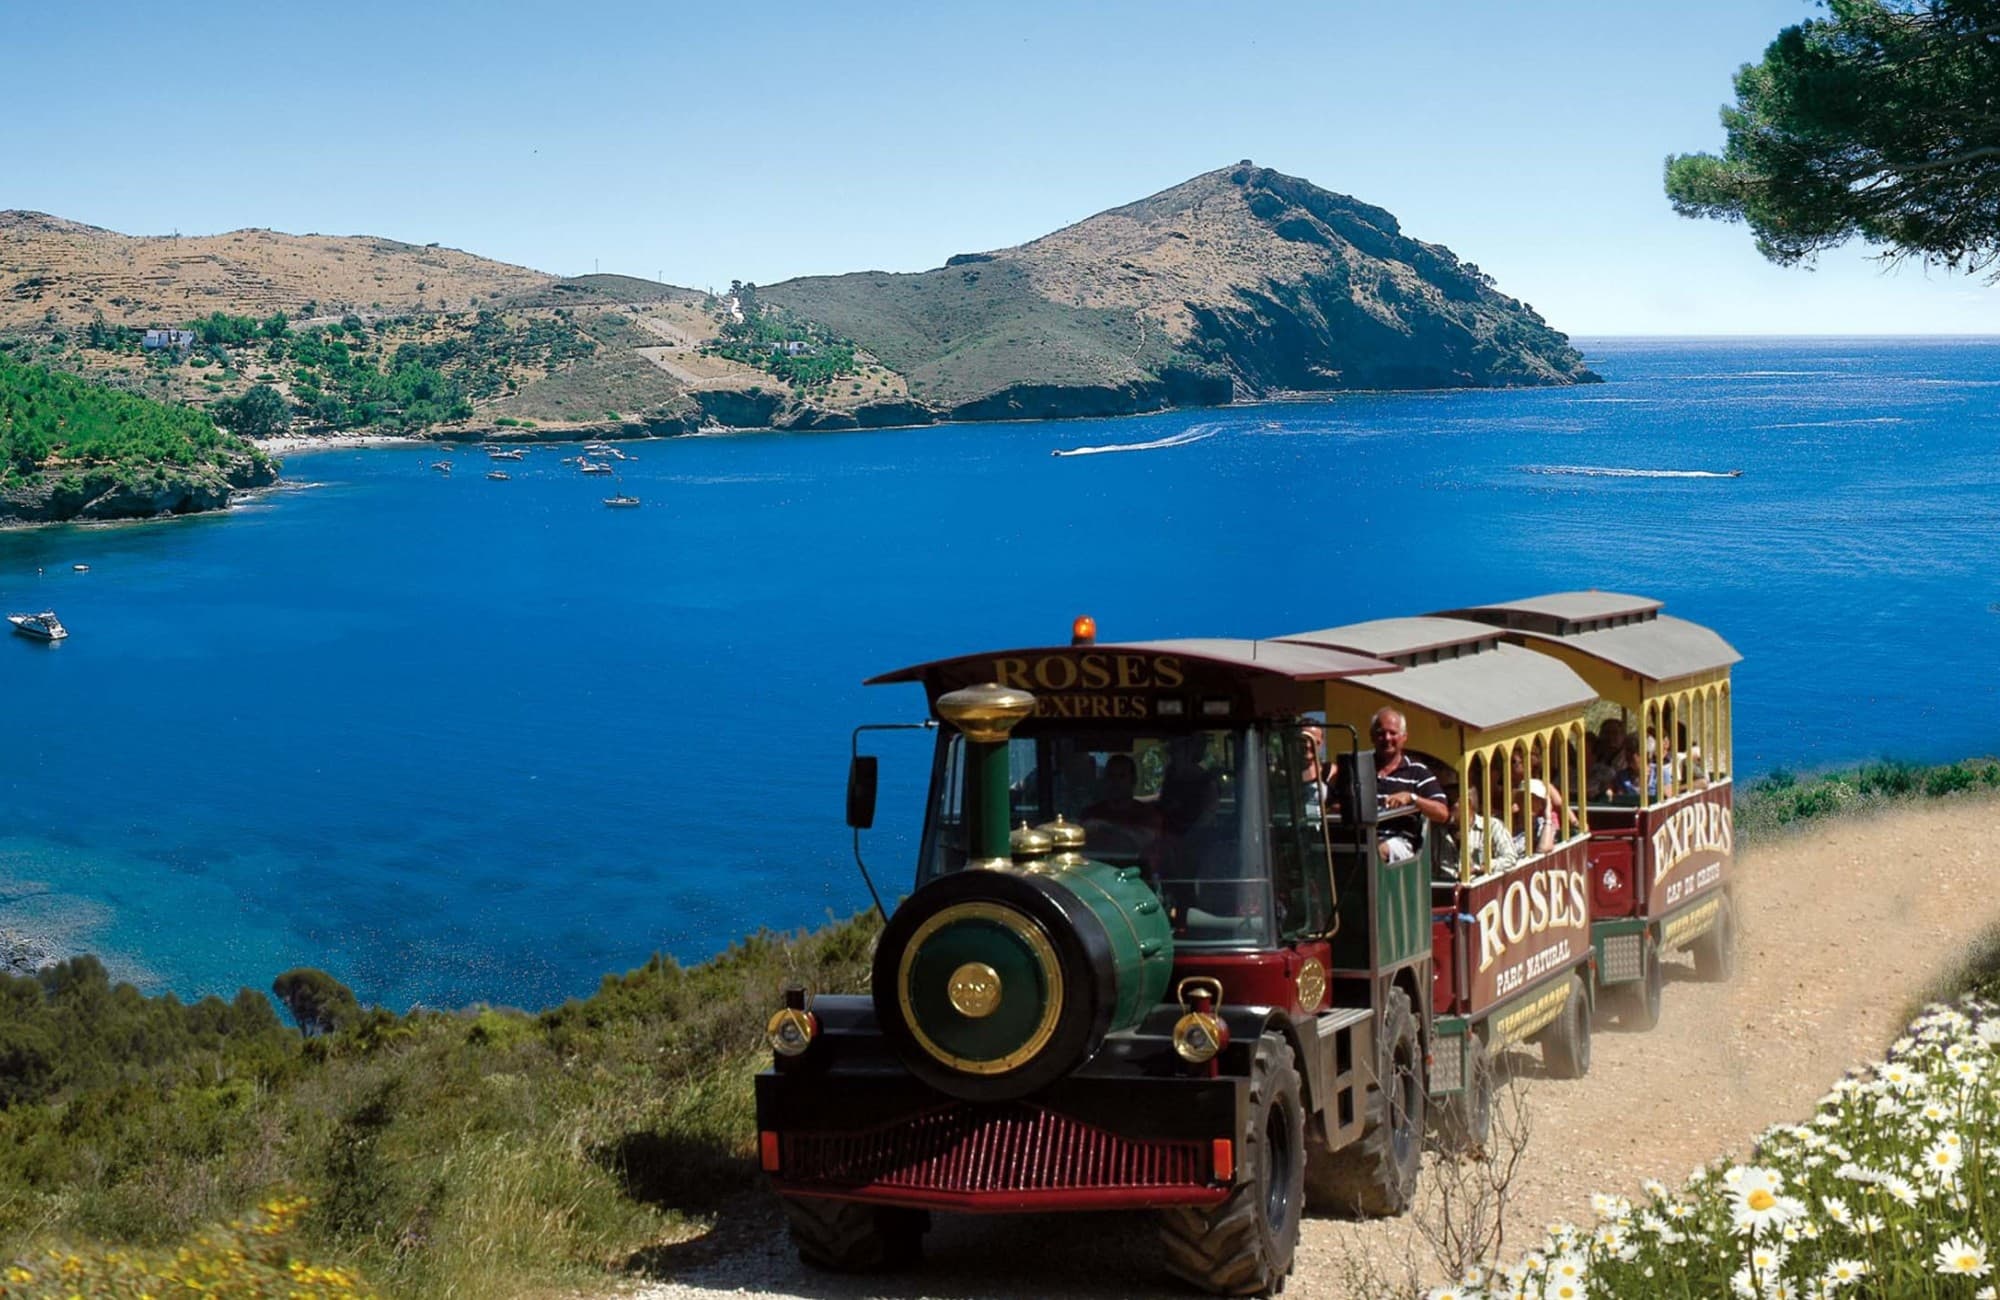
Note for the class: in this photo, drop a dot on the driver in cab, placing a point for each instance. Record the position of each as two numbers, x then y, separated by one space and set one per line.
1402 782
1120 822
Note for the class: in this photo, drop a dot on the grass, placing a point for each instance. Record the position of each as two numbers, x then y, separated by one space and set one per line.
485 1152
1783 801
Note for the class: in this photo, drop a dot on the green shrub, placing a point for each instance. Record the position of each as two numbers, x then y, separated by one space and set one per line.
491 1153
1782 799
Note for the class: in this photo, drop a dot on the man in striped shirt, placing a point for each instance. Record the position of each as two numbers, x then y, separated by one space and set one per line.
1403 782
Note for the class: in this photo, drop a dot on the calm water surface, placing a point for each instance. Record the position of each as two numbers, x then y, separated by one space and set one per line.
462 740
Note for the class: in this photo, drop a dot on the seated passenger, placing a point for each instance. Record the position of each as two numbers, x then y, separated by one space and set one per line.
1607 754
1659 776
1546 797
1120 823
1314 775
1492 845
1532 808
1402 782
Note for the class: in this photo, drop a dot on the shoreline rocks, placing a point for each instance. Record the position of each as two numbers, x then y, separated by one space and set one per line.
24 954
100 494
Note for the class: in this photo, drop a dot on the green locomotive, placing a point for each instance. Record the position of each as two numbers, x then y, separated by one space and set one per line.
1140 969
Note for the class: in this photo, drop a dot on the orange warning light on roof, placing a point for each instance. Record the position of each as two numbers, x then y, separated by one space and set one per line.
1083 631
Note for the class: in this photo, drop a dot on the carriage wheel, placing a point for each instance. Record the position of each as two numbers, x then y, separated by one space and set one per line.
1566 1043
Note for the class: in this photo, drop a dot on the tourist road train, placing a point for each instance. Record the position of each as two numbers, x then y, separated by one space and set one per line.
1159 952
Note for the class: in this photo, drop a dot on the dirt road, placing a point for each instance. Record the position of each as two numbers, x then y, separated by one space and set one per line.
1841 930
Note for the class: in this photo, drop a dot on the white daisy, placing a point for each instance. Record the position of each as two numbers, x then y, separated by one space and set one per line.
1962 1258
1568 1268
1899 1187
1942 1160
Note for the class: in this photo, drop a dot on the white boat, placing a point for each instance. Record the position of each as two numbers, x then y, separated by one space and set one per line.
505 453
441 466
594 467
81 568
44 626
497 474
621 501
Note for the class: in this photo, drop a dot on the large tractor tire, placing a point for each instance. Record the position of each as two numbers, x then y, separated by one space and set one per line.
1715 950
1465 1121
1244 1246
1377 1175
1566 1043
853 1237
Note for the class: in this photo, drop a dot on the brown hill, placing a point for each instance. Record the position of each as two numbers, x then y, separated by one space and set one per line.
1262 281
81 272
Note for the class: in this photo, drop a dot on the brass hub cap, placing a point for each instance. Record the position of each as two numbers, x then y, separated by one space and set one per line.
975 990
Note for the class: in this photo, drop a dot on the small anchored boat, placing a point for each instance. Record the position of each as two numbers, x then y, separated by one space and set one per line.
441 466
80 568
44 626
621 501
505 453
594 467
499 475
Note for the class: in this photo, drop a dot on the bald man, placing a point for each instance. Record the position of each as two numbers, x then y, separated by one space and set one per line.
1402 782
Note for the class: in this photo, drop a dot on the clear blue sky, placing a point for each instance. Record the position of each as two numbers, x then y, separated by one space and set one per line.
765 140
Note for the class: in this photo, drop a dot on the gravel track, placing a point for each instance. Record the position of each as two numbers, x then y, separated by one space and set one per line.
1840 930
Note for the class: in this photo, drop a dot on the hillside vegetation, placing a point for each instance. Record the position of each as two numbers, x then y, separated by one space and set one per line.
74 449
1239 284
480 1152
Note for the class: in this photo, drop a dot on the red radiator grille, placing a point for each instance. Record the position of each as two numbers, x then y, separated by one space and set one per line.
967 1148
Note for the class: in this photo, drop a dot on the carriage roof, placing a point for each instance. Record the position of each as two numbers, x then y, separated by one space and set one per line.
1459 669
1626 632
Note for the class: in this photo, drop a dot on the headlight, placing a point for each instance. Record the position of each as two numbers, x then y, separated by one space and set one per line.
1200 1033
792 1031
1198 1036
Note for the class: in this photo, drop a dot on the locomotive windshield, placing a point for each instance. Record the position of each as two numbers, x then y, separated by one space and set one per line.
1203 814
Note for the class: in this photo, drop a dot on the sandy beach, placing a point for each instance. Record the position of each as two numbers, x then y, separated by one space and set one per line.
293 444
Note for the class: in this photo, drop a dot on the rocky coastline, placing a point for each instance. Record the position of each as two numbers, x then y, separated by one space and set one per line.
25 954
101 494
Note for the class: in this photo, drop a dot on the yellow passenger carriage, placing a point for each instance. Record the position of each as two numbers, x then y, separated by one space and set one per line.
1658 780
1503 728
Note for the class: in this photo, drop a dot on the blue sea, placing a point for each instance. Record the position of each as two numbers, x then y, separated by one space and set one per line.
457 740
